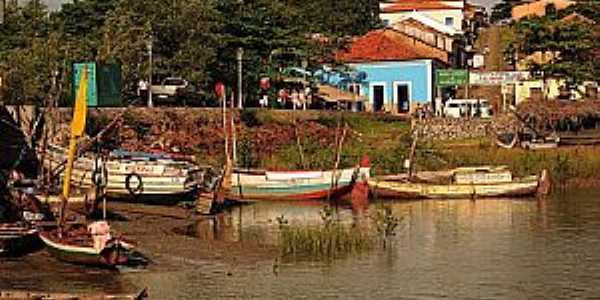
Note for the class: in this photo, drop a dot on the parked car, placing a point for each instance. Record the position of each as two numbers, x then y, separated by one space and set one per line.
457 108
170 89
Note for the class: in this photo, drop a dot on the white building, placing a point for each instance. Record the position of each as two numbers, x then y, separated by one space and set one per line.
447 12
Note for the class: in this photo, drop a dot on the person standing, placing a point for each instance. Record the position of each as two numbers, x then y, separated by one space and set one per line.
142 89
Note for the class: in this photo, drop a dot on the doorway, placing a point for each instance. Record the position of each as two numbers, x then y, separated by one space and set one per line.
402 95
378 97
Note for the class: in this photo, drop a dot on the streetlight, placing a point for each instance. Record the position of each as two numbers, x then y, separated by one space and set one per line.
149 46
239 56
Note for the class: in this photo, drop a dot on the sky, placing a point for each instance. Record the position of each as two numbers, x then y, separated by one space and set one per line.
486 3
55 4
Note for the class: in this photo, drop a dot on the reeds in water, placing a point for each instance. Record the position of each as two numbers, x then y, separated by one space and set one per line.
329 240
333 239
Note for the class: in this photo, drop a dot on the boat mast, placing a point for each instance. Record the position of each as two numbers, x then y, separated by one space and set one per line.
77 129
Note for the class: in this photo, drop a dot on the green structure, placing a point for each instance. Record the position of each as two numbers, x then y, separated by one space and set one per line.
104 83
450 77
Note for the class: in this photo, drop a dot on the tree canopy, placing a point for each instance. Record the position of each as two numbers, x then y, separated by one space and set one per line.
194 39
573 44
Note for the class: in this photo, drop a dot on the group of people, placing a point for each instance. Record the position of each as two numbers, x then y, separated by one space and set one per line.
296 98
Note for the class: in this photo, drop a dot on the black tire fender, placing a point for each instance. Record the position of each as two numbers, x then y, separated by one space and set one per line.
134 190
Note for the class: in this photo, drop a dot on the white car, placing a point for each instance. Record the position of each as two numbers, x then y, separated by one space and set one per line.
458 108
169 88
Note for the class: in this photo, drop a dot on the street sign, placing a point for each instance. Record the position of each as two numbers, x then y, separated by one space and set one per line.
497 78
92 91
451 77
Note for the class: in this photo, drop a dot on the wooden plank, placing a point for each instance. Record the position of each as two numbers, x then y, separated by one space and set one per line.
30 295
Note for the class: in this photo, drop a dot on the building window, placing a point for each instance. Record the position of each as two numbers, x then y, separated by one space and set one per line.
449 21
354 88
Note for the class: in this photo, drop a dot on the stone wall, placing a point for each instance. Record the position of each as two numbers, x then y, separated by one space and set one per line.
443 129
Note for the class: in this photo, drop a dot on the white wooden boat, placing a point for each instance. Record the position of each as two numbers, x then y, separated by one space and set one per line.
78 245
294 185
137 174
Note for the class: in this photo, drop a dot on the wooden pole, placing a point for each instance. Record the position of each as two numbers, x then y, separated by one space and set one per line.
334 175
233 132
411 156
226 139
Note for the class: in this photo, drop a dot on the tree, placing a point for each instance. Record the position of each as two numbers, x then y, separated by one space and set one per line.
28 52
571 45
503 10
184 37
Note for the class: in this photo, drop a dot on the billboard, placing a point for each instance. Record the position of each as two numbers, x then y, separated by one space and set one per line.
104 83
497 78
92 93
451 77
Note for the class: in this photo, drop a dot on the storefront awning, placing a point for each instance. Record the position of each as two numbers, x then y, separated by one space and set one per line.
333 94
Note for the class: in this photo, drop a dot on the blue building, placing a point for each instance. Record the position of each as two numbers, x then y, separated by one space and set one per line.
397 71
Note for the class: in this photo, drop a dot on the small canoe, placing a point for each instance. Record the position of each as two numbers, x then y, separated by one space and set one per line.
477 185
294 185
78 246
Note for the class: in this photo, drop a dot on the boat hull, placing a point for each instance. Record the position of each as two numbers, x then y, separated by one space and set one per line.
160 178
402 190
110 256
312 185
18 242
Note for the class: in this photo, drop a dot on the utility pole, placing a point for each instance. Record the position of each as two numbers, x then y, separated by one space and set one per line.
240 54
150 104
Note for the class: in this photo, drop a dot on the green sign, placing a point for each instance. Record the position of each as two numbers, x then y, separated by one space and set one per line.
451 77
92 92
108 79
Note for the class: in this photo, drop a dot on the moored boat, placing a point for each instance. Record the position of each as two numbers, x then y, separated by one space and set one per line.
94 247
296 185
131 173
75 242
293 185
462 183
18 239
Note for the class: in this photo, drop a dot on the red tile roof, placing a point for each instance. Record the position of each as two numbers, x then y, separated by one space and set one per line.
388 45
410 5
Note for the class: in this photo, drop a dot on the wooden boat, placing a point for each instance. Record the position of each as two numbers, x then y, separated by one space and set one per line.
85 247
293 185
131 173
462 183
76 243
30 295
579 140
17 239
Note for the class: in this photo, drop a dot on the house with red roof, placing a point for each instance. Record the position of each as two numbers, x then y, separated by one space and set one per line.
397 70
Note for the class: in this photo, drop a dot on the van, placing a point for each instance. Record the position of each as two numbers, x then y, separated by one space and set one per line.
458 108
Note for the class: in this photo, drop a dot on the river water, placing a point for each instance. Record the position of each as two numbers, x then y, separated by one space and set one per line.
484 249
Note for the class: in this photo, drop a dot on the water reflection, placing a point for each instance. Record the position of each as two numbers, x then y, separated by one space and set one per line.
495 249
